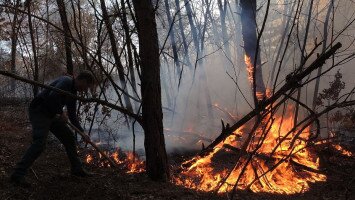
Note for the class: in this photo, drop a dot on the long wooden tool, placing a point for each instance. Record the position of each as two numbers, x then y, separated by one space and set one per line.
86 139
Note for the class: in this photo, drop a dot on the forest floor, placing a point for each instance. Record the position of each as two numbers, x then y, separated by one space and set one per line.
50 176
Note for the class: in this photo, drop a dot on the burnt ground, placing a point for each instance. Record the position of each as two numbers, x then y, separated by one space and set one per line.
50 175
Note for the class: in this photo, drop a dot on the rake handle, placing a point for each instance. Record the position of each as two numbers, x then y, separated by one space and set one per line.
86 139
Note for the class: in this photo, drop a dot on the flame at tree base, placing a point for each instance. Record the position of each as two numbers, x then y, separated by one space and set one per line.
271 163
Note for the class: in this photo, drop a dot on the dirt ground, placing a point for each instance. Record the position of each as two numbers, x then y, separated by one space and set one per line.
50 176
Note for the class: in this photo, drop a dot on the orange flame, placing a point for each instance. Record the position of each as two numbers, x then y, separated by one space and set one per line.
128 160
342 150
89 158
250 68
134 165
269 170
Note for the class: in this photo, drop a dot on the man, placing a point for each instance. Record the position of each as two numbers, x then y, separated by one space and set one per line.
46 114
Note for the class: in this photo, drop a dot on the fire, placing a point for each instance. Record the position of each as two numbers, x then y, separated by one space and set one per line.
282 163
89 158
250 69
134 165
342 150
126 160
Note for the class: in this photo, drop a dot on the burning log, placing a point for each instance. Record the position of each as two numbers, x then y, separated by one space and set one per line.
290 85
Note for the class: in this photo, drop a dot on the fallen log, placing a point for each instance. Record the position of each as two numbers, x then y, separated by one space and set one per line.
292 82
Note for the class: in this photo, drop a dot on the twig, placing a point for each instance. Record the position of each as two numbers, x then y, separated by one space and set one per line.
33 171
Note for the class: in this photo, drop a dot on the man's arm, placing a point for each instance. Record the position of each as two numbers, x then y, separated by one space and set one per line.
54 99
71 107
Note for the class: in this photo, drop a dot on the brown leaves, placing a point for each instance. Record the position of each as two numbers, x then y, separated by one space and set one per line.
332 93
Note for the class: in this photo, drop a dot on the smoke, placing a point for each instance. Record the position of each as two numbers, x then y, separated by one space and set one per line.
215 86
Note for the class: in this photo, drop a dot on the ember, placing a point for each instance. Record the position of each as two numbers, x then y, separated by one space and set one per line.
342 150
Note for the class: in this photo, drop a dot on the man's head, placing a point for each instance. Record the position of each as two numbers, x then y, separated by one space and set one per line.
84 80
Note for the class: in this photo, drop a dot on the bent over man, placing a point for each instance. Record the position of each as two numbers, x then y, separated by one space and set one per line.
46 114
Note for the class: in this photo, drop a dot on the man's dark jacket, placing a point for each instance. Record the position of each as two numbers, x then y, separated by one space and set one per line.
52 102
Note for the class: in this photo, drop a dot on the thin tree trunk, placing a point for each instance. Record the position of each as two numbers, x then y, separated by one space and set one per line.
203 76
283 37
192 26
299 91
67 40
182 34
156 157
325 33
129 43
248 18
14 38
34 49
115 53
218 38
165 84
223 13
47 41
172 37
82 37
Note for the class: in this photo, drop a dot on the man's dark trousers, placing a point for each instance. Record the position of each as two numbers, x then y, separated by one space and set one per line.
42 123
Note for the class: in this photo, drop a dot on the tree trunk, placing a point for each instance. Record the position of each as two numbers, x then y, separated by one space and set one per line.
129 48
303 52
203 76
248 18
183 36
284 29
115 53
78 25
156 157
192 25
324 47
14 31
223 13
67 40
34 49
172 37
